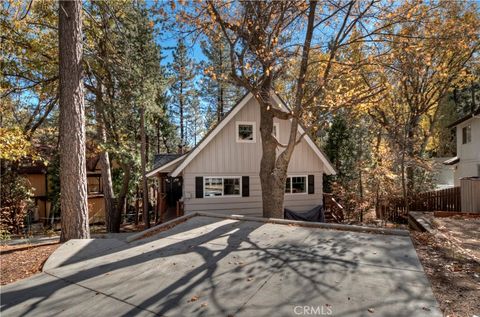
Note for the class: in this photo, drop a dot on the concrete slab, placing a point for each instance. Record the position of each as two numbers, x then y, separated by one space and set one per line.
421 220
218 267
77 250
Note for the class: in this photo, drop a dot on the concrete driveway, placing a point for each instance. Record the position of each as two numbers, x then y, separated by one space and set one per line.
222 267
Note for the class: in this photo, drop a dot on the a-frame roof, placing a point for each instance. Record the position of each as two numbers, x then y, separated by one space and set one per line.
230 115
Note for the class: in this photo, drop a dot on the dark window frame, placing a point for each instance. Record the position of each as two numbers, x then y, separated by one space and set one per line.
235 178
289 181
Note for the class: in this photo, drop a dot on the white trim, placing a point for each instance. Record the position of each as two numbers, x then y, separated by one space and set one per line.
254 131
306 185
223 188
160 168
329 170
215 131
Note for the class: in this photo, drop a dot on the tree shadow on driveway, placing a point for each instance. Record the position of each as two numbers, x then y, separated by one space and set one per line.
208 266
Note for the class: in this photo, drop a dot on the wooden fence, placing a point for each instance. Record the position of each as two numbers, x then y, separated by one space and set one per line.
439 200
392 210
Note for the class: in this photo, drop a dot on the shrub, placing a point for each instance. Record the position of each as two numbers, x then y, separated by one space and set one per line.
15 201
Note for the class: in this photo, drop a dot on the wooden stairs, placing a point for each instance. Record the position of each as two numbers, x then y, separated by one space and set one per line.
333 210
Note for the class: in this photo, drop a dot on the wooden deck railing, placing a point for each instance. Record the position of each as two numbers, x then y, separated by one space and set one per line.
333 210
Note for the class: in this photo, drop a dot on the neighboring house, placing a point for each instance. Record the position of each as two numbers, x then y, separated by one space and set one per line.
221 174
443 174
37 176
467 161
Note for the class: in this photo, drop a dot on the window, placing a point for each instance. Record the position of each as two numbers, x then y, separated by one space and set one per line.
276 130
467 134
221 186
94 185
246 132
296 185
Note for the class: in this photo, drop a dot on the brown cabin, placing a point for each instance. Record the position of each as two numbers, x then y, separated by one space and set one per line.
37 175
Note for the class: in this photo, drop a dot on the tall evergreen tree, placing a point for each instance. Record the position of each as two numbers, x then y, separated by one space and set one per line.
217 89
182 90
73 171
127 84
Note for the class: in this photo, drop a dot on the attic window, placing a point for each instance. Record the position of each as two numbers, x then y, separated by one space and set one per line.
467 134
246 132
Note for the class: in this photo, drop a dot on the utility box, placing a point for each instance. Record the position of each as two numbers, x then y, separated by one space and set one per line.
470 194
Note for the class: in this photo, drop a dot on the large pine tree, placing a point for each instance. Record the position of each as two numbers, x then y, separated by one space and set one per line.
73 172
217 89
126 84
183 90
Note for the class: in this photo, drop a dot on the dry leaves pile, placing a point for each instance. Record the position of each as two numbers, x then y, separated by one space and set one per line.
23 261
455 278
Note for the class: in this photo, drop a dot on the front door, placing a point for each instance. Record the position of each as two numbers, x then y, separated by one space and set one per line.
173 189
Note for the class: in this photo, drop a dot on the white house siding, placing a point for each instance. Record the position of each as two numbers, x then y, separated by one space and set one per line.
469 153
223 156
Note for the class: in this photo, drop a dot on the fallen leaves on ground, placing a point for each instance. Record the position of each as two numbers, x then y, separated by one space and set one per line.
453 276
19 262
193 299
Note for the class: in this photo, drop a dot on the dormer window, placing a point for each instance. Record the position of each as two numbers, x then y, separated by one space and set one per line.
467 134
246 132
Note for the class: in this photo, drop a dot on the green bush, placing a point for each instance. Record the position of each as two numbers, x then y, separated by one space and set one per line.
15 201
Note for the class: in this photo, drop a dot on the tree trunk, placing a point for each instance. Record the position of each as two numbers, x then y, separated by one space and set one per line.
137 207
109 197
143 155
122 197
220 103
472 90
273 169
157 126
272 179
73 171
403 168
182 123
411 154
104 161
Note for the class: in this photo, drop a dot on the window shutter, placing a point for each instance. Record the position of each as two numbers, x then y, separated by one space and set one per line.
245 186
311 184
199 187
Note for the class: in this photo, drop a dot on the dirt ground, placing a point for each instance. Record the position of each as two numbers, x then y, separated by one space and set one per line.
464 233
19 262
453 273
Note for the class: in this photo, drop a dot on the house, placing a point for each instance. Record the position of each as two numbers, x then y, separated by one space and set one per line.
442 174
467 161
37 176
221 174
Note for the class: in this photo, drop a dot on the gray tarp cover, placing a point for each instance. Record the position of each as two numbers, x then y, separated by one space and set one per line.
314 215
